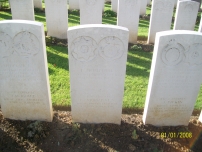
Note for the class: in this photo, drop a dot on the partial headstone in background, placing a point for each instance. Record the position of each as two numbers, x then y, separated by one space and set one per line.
74 4
38 4
148 2
114 5
186 15
161 17
200 117
22 9
200 26
24 79
128 16
91 11
143 7
97 64
175 3
175 78
56 18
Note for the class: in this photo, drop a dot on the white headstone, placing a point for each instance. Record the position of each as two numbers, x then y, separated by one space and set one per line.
128 16
22 9
114 5
200 117
91 11
143 7
38 4
24 81
161 17
200 26
97 62
186 15
56 18
175 78
74 4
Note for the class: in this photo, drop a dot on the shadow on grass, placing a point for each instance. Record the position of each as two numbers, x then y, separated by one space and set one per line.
109 20
56 59
138 66
40 17
143 24
5 16
73 20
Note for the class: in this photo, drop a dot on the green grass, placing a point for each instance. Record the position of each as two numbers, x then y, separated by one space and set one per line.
138 63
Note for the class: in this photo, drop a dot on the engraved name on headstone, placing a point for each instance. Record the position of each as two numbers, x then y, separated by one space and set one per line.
24 82
97 62
175 78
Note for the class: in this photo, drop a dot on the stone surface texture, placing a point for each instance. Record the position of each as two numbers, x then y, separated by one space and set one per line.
175 78
97 63
186 15
161 17
91 11
143 7
24 80
56 18
114 5
128 16
22 9
38 4
74 4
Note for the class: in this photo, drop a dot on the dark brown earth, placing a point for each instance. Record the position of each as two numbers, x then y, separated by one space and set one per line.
62 135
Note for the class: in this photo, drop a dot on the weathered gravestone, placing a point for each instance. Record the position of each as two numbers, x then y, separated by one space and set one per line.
22 9
91 11
74 4
114 5
186 15
38 4
200 117
128 16
97 62
56 18
175 78
161 17
24 82
143 7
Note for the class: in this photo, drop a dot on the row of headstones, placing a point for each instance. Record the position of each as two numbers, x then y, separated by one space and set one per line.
97 65
74 4
162 12
128 15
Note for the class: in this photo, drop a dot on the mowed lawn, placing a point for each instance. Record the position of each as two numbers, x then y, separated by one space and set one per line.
138 63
